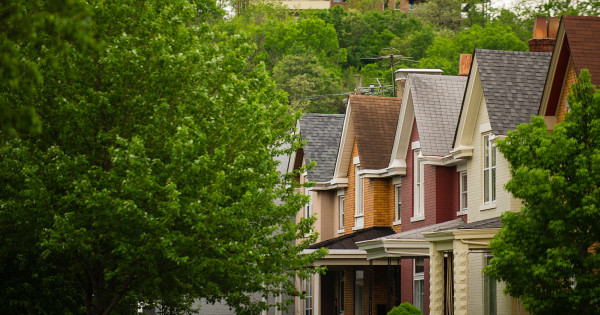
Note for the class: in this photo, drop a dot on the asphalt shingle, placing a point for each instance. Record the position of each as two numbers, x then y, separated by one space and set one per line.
582 33
436 100
375 119
322 133
512 82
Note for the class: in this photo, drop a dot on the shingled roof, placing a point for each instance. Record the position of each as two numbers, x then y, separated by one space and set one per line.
322 133
513 83
348 241
436 101
375 119
582 34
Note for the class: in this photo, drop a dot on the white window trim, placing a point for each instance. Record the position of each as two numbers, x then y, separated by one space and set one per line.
308 307
359 210
309 206
462 209
419 190
486 259
418 276
488 141
397 205
341 211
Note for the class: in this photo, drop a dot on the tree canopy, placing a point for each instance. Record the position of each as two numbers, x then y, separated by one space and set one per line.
154 179
548 252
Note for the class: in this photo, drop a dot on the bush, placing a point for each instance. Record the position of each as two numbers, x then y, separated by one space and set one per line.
405 309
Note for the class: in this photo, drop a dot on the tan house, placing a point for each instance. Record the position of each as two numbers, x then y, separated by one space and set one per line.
503 90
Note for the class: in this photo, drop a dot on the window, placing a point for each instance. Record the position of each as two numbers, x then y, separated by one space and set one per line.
358 208
489 170
419 284
463 191
398 193
307 208
341 205
359 282
419 200
489 291
308 300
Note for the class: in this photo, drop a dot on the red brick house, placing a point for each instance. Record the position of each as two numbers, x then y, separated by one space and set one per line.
425 177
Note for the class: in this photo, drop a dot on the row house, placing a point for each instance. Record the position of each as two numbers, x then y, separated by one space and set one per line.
504 89
358 207
321 134
426 179
416 190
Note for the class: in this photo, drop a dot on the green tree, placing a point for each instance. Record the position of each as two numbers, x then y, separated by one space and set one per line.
548 252
154 180
31 25
445 51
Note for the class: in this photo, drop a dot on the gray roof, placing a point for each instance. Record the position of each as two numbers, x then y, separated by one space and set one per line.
322 133
513 82
493 223
436 100
417 234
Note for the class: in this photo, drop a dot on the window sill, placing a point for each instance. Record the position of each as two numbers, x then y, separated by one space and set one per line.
341 231
463 212
415 219
488 206
356 228
398 222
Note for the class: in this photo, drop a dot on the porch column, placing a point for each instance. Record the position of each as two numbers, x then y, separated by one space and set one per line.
461 277
436 281
317 294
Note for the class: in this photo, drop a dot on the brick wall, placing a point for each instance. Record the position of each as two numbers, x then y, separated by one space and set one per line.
377 202
448 190
569 80
349 290
441 192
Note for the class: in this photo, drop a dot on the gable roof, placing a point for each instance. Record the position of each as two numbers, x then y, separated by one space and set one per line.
322 134
577 41
371 120
375 120
583 35
436 101
512 83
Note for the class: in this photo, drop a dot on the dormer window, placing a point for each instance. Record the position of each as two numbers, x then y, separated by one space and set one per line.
489 169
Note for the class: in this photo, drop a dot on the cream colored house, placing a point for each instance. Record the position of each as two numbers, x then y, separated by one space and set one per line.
503 90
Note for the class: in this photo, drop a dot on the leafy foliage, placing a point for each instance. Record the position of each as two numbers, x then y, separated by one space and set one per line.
44 26
154 180
445 51
405 309
548 252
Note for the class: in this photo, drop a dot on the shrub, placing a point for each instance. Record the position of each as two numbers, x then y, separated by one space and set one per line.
405 309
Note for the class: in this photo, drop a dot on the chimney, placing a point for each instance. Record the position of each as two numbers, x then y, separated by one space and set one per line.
465 65
544 34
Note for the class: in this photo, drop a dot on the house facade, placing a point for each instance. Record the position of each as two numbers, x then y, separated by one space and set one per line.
426 179
503 90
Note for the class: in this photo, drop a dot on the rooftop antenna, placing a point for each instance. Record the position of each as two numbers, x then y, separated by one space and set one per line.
391 57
